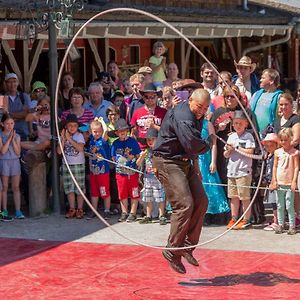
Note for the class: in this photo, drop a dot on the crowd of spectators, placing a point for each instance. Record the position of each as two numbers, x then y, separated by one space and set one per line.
109 130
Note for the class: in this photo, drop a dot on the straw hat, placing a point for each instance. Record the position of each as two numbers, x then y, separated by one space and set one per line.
246 62
145 69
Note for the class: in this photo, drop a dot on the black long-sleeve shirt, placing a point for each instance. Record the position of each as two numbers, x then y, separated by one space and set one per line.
179 136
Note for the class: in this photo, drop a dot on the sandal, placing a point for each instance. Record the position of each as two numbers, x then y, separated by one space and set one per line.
71 213
79 213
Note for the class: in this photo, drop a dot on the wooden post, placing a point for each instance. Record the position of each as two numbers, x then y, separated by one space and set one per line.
239 47
297 58
182 58
36 168
26 82
37 190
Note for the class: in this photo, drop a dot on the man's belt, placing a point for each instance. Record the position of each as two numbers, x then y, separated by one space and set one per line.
177 158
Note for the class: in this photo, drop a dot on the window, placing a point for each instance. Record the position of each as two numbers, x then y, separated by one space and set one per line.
135 55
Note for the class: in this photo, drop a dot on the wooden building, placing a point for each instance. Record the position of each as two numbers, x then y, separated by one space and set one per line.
223 30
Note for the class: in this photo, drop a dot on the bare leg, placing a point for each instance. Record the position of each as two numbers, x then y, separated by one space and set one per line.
107 203
161 209
134 205
15 181
95 202
124 205
245 204
149 209
235 207
5 180
80 201
71 199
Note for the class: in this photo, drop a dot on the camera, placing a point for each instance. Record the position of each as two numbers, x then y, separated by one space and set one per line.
42 108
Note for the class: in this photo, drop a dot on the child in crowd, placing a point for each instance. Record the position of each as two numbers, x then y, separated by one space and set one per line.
127 89
153 190
42 119
158 64
73 145
99 169
125 151
113 115
270 143
284 180
10 150
118 98
239 169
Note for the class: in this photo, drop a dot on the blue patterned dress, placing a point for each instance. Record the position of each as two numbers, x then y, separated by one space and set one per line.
217 200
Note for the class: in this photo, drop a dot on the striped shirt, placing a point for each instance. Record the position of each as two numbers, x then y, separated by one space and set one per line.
86 117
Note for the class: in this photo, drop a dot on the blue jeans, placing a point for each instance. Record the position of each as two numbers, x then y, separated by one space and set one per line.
285 199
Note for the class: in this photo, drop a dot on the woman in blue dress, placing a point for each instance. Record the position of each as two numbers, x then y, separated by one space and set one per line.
217 201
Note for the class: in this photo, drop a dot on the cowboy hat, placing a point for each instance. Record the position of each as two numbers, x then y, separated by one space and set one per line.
121 124
150 88
145 69
151 134
245 61
188 83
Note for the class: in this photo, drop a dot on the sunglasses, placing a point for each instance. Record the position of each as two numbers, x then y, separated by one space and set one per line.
229 97
150 97
40 90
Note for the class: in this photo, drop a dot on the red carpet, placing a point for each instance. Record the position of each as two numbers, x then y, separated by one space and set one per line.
52 270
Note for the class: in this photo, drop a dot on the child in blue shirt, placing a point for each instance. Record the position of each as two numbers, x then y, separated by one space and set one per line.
125 151
99 169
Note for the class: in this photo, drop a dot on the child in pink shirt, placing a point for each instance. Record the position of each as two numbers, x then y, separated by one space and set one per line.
285 172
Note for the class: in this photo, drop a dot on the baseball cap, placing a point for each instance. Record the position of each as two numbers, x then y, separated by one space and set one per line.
10 76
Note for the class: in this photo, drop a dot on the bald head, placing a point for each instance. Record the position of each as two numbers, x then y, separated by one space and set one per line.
199 102
200 94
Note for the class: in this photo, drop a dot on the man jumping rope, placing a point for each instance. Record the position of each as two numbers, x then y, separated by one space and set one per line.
175 158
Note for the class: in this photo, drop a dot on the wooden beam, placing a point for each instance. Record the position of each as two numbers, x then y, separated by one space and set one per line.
231 47
36 54
26 81
297 58
186 61
96 54
182 60
239 47
12 61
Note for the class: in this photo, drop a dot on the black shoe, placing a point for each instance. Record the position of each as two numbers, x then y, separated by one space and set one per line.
131 218
174 261
90 215
123 217
107 215
190 259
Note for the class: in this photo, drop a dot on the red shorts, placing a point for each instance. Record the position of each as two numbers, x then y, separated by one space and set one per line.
128 186
100 185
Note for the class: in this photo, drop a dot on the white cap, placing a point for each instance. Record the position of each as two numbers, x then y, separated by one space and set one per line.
10 76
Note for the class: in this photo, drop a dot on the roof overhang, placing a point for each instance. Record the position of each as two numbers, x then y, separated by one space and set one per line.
190 30
99 29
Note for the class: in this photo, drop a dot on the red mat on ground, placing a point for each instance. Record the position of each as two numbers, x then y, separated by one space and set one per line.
52 270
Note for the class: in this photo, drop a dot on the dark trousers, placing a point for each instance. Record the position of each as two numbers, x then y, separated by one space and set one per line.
188 200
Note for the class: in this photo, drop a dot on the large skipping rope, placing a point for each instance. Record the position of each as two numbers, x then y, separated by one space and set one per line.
63 154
